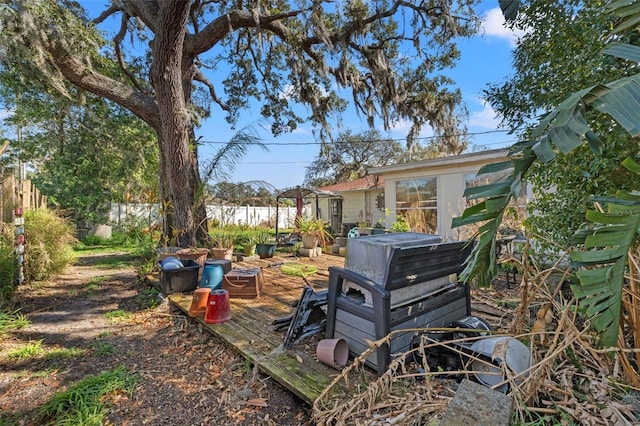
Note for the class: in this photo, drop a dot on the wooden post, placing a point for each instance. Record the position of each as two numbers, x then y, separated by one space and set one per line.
25 199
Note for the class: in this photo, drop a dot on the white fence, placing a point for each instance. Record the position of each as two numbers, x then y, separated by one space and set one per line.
226 215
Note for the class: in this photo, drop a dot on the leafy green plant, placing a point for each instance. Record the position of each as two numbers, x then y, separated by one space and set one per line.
604 257
64 353
603 263
264 237
148 298
316 227
247 237
87 401
102 348
117 315
12 320
8 266
400 225
222 239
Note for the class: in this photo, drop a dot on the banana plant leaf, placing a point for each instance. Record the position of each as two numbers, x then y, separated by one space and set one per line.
603 260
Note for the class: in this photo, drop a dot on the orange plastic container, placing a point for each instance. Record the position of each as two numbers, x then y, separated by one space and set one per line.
199 302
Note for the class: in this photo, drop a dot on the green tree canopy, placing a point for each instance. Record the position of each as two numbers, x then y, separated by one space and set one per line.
198 54
560 52
243 193
349 157
83 151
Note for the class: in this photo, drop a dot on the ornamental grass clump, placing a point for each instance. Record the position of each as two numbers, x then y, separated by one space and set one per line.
8 265
50 238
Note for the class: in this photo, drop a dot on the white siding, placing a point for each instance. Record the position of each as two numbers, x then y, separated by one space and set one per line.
451 187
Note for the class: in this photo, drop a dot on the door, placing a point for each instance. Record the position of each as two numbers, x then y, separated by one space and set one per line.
336 215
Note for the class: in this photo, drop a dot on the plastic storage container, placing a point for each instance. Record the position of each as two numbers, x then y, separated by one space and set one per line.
180 280
370 255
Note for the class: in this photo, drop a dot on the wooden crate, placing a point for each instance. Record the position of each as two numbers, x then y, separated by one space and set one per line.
244 283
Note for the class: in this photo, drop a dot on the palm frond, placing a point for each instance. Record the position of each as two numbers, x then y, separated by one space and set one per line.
509 9
602 262
482 262
224 161
563 129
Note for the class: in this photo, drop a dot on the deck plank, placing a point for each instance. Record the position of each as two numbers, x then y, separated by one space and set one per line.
250 332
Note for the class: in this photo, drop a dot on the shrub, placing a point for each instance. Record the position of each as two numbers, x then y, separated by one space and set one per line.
8 265
49 244
400 225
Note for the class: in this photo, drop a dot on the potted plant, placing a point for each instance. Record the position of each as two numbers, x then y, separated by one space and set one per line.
248 239
223 245
378 228
313 232
265 246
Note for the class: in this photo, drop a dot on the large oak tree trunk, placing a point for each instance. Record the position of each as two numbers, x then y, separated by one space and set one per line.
178 158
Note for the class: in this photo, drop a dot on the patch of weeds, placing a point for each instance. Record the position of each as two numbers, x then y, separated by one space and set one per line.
118 315
65 353
43 374
146 264
148 298
30 350
102 348
246 368
87 402
115 262
94 285
11 321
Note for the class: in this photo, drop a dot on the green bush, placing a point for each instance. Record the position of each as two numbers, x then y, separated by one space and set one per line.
400 225
49 243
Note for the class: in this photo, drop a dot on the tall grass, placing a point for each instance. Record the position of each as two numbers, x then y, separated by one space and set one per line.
8 264
50 238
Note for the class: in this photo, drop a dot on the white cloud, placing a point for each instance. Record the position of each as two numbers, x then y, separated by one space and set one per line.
486 118
493 25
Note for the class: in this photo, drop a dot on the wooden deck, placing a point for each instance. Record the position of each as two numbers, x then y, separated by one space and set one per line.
250 331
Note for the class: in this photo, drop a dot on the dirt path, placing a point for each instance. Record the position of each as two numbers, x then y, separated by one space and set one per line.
184 375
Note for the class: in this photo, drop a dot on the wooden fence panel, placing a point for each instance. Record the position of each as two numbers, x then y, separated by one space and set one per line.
15 195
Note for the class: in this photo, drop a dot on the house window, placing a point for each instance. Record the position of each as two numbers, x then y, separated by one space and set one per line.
417 201
472 180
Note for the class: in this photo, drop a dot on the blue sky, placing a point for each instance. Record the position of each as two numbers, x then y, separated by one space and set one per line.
485 59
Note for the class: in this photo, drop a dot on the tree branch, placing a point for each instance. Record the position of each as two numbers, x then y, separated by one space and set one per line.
105 14
200 77
146 10
117 41
82 76
224 25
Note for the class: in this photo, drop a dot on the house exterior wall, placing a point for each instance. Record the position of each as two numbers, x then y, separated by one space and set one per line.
354 206
357 206
450 187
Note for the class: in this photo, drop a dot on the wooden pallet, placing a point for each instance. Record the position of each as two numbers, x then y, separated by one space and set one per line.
250 331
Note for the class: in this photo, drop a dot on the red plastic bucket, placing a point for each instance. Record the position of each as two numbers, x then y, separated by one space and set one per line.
218 307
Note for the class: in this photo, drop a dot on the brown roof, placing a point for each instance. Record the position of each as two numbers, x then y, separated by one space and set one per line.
367 182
